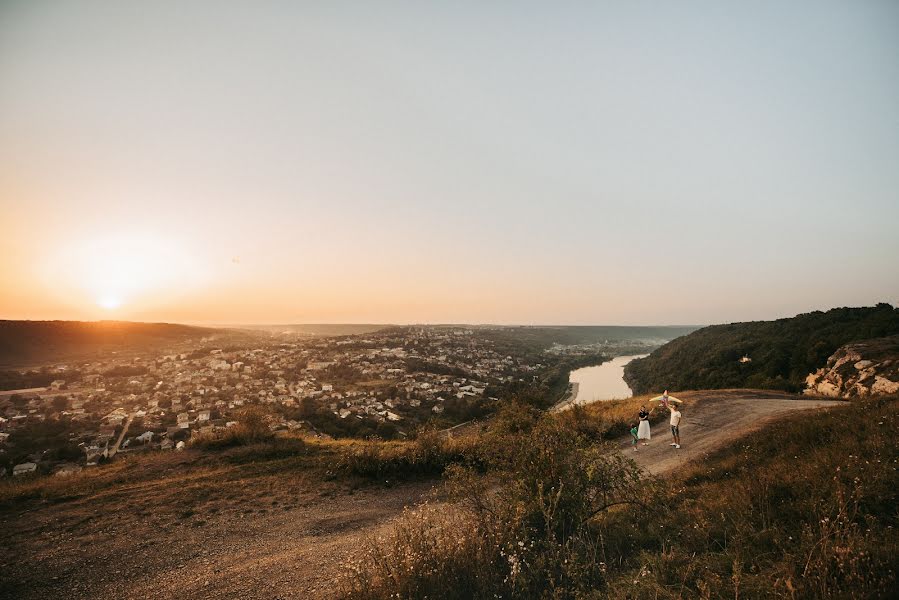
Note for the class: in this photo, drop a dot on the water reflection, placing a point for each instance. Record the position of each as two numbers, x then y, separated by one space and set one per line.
603 382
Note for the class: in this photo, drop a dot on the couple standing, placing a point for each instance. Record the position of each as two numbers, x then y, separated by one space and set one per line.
642 432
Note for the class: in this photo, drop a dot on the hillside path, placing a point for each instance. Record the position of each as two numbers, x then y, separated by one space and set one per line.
77 551
711 421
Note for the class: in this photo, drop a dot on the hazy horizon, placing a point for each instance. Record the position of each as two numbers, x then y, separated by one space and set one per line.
391 162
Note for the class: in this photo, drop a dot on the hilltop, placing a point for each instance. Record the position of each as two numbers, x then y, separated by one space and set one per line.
285 517
26 343
761 354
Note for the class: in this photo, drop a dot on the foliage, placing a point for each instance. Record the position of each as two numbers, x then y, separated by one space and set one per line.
36 437
534 532
251 428
325 421
341 374
812 516
19 380
37 342
782 352
543 337
429 454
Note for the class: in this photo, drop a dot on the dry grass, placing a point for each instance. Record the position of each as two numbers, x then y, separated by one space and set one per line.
530 529
158 480
808 510
617 416
428 455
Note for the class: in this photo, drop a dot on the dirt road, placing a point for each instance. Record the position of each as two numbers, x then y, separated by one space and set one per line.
711 420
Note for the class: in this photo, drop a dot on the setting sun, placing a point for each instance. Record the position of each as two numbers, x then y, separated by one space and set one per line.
109 302
121 272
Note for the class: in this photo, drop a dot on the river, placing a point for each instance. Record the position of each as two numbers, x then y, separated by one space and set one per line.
602 382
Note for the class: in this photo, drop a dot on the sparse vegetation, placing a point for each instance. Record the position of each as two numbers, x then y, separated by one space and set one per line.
428 455
811 516
251 428
531 529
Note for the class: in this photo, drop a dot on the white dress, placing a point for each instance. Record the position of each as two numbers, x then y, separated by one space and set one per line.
643 430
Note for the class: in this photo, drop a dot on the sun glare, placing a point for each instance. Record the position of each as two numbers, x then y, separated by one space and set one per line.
112 272
109 302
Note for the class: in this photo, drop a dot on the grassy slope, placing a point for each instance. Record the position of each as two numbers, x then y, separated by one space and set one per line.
808 509
783 352
233 517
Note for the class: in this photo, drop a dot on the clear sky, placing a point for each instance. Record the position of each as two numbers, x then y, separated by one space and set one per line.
511 162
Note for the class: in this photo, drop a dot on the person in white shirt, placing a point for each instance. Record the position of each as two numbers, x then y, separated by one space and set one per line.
675 424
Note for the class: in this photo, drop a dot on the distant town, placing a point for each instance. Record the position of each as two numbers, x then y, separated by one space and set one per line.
382 384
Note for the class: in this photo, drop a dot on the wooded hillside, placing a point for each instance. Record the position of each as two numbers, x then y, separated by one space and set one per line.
781 353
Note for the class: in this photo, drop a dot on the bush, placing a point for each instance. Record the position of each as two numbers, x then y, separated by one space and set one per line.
811 516
428 454
533 531
251 428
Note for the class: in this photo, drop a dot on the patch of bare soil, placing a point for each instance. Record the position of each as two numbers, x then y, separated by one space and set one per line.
241 543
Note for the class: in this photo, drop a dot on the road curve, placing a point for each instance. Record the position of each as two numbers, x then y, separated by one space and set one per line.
710 423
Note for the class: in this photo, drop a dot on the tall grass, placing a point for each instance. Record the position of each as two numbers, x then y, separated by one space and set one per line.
251 428
617 416
428 454
807 509
528 528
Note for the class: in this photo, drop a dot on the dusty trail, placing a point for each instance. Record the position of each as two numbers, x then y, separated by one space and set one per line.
712 420
291 553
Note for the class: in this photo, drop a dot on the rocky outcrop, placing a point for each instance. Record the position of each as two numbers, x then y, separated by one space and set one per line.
859 369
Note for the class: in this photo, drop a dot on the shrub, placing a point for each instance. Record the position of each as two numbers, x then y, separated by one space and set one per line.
251 428
428 454
557 516
530 530
812 516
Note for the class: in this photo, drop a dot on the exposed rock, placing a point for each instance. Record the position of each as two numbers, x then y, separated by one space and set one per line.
826 388
882 385
859 369
869 372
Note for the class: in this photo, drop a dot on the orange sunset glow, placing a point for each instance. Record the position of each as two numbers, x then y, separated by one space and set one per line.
382 299
408 178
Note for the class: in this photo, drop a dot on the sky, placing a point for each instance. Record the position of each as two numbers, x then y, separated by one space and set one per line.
467 162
